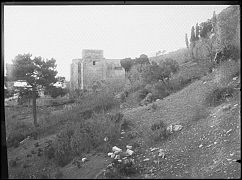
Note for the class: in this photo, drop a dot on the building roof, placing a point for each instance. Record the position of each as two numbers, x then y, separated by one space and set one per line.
21 84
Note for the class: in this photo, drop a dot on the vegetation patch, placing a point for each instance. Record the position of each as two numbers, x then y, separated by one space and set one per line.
219 95
159 132
98 133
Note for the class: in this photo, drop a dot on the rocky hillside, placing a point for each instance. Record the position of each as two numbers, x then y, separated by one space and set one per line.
208 144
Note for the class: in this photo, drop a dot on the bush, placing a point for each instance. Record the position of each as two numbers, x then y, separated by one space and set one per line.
159 131
84 136
219 95
160 90
141 94
19 133
63 153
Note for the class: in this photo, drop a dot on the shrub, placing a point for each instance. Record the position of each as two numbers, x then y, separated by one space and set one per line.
219 95
58 174
49 151
141 94
159 131
19 133
160 90
84 136
63 153
154 106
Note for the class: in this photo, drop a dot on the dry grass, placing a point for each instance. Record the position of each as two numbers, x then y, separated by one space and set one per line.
82 137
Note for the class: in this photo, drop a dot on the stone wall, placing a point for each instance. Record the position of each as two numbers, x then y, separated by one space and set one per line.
74 78
95 69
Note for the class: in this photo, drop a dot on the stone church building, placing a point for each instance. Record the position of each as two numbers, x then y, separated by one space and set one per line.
93 68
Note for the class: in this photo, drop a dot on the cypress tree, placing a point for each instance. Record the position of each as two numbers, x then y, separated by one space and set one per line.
193 37
186 40
197 32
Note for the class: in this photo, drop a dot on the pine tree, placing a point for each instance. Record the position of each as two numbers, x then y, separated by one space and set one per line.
197 32
186 40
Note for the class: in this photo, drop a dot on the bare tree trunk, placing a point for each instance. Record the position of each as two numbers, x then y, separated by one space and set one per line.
34 109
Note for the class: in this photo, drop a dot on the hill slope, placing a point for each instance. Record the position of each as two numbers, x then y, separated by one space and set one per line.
209 142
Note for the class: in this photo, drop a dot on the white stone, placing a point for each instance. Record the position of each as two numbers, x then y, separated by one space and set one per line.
161 153
113 155
129 152
177 127
119 160
106 139
153 149
147 159
110 165
235 78
129 147
169 128
110 154
84 159
117 157
116 149
200 145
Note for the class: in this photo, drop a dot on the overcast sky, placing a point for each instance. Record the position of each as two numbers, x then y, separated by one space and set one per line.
61 32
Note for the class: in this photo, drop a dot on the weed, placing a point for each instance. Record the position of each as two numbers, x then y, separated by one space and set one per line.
58 174
159 131
154 106
84 136
219 95
49 152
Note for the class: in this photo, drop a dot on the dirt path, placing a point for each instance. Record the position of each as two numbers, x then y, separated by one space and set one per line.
89 170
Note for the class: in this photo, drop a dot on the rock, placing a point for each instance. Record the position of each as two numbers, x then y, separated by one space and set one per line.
235 78
147 159
129 152
25 140
177 127
226 107
169 128
200 146
161 153
113 155
110 154
116 149
84 159
153 149
117 157
157 100
106 139
119 160
110 165
129 147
